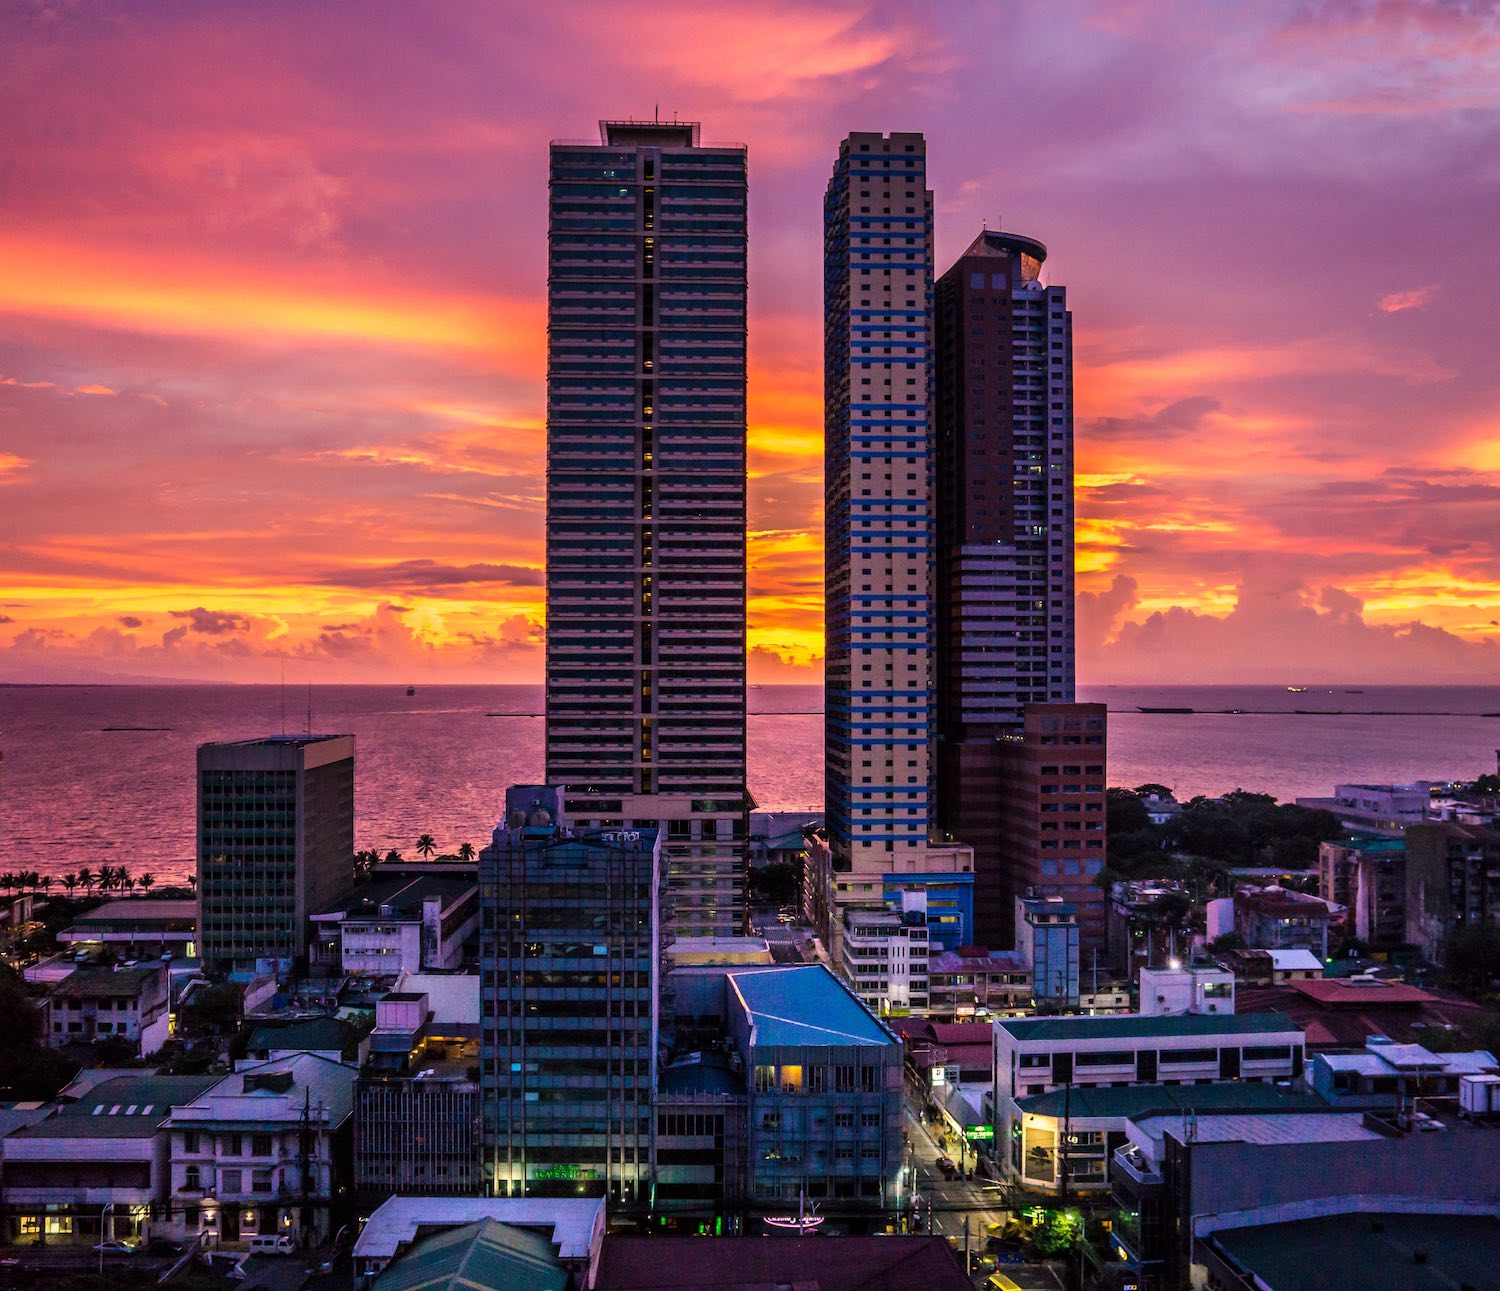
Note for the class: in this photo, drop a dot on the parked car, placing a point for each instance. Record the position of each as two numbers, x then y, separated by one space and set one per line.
163 1246
115 1248
945 1164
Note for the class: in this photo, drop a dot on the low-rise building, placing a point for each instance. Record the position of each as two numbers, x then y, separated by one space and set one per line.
1188 988
1180 1181
845 1263
264 1151
885 958
1038 1055
137 928
1379 810
574 1227
334 1038
1388 1076
973 983
417 1105
407 919
126 1002
1063 1141
1277 918
94 1169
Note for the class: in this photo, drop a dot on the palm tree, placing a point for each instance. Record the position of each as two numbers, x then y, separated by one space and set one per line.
7 882
86 877
427 846
123 878
70 881
193 880
46 883
147 879
393 857
32 880
466 851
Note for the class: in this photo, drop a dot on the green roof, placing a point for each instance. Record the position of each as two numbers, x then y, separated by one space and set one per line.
1135 1101
314 1035
805 1005
1347 1252
479 1255
1126 1026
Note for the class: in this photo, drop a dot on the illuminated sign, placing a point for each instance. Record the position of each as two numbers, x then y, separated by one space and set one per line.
565 1172
980 1132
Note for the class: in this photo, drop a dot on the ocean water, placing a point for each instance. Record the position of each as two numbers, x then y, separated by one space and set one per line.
96 775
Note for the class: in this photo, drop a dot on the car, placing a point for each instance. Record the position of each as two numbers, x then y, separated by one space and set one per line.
945 1164
115 1248
983 1262
163 1246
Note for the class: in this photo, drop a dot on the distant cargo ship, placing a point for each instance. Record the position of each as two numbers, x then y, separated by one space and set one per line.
1142 708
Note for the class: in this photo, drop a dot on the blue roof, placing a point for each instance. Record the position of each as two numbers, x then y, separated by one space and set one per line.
806 1005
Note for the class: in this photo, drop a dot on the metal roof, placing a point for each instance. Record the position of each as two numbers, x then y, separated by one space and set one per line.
482 1254
1290 1127
396 1222
805 1005
1127 1026
1134 1102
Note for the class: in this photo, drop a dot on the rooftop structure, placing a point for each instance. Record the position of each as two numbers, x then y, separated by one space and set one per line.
485 1253
755 1264
804 1006
574 1226
1131 1026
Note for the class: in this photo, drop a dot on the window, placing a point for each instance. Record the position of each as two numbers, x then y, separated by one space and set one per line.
190 1141
190 1179
260 1145
229 1180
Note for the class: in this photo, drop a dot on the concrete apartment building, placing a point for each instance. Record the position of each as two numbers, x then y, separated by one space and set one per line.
123 1002
878 520
1367 876
136 928
1452 878
570 961
1003 560
275 844
646 477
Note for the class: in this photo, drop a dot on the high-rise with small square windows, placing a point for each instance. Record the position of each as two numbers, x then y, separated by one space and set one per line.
877 289
275 844
646 501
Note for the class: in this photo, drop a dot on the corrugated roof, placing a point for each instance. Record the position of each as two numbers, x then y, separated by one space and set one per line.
1294 1127
570 1221
99 983
806 1005
1136 1101
1123 1026
484 1254
118 1108
327 1035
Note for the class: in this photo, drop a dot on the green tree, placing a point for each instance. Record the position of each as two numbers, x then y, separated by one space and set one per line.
1154 791
426 845
70 882
87 878
28 1069
466 852
147 880
1057 1233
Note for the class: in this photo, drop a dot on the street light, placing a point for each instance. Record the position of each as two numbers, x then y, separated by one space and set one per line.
109 1209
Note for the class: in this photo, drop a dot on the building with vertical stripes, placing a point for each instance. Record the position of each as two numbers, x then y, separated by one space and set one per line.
646 501
877 289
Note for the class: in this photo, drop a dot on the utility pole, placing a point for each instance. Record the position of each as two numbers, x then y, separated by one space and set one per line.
968 1261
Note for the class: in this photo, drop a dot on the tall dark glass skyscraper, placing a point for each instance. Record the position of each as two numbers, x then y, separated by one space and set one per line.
1033 813
646 501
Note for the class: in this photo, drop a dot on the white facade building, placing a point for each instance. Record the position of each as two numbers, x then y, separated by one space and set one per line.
885 957
1192 988
261 1148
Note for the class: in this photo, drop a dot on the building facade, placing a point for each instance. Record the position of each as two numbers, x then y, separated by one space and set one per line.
877 232
569 961
275 843
1003 413
1452 880
885 957
646 498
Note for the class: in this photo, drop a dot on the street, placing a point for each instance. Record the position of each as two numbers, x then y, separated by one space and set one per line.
949 1202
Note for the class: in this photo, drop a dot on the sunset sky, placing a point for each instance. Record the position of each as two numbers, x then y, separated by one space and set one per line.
272 344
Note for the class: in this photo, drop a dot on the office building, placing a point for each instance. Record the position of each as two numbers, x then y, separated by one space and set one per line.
885 958
1003 560
1047 940
877 288
569 958
646 501
275 843
404 919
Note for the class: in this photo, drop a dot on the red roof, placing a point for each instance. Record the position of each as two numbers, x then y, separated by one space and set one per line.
766 1263
1349 1022
1345 993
